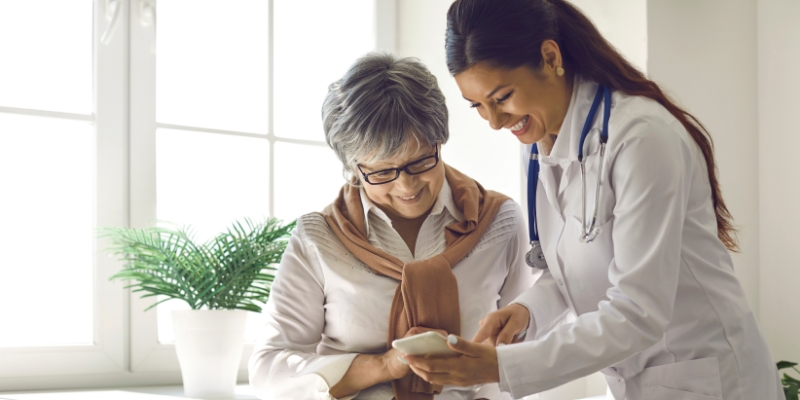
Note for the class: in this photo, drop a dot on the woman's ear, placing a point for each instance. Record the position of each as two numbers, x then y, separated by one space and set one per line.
551 58
352 176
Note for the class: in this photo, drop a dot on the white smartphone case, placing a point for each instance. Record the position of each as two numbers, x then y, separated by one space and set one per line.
432 343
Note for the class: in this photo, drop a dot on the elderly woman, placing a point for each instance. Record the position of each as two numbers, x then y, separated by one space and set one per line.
409 245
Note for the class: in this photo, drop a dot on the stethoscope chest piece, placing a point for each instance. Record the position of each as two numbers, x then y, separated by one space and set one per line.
535 257
590 236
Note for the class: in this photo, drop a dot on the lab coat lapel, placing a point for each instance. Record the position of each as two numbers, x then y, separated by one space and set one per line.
548 179
551 224
549 216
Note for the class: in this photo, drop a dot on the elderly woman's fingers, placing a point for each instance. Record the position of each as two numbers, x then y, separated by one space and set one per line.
421 329
396 362
415 331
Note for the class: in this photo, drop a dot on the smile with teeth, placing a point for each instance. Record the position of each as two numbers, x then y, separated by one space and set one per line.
521 124
410 198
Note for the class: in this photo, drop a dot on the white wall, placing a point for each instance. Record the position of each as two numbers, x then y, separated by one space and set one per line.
490 157
704 53
779 182
623 23
734 64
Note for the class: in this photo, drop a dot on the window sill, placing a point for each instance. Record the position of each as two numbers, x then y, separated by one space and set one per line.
243 392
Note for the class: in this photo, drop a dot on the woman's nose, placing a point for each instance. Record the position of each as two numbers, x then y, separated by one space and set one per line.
495 119
405 180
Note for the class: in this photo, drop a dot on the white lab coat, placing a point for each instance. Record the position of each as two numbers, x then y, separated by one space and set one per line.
653 302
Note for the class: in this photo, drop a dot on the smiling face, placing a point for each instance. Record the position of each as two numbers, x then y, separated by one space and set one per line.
529 103
409 196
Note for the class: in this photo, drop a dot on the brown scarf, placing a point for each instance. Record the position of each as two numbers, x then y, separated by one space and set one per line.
428 292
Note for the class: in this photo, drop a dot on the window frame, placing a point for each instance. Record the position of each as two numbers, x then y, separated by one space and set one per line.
39 367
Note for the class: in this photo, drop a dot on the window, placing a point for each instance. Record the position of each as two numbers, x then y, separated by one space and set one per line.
57 313
121 113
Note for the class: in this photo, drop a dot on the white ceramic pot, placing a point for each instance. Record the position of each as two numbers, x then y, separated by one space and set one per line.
209 345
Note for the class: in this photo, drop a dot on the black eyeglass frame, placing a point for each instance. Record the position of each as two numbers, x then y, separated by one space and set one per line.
400 169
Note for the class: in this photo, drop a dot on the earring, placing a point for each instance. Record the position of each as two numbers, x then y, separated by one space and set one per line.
559 71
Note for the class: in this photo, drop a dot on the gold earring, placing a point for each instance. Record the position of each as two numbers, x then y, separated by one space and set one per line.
559 71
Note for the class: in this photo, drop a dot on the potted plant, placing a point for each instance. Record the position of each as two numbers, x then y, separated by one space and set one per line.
220 279
791 386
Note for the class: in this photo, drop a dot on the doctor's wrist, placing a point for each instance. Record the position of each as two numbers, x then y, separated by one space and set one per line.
530 326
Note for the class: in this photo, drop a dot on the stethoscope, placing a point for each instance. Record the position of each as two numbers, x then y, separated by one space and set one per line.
589 230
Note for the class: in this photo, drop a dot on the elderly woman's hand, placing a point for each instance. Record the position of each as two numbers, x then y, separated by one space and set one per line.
394 360
369 369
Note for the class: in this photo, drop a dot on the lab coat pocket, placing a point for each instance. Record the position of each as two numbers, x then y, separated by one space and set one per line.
662 393
684 380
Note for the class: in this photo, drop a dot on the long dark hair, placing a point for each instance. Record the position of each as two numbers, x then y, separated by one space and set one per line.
509 33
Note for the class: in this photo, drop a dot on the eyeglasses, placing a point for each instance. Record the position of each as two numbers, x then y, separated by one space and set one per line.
413 168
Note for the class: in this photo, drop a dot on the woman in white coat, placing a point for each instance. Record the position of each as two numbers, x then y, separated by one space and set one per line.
642 287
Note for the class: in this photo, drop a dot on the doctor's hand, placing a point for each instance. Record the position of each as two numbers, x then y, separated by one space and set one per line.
477 364
504 326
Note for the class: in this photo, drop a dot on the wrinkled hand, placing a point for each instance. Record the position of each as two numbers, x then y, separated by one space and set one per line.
477 364
396 368
503 326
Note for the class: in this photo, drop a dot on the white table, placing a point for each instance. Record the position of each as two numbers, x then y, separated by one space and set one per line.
243 392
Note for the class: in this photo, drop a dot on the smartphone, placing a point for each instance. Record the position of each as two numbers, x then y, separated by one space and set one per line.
431 342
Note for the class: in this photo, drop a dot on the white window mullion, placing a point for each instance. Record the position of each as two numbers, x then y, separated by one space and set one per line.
146 353
111 176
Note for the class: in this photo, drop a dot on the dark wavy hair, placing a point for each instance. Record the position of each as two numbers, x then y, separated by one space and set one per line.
509 33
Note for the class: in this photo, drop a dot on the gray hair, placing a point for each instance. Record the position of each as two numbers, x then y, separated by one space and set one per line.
382 107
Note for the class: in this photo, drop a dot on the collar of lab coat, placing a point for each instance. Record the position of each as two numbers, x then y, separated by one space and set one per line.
444 201
568 140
